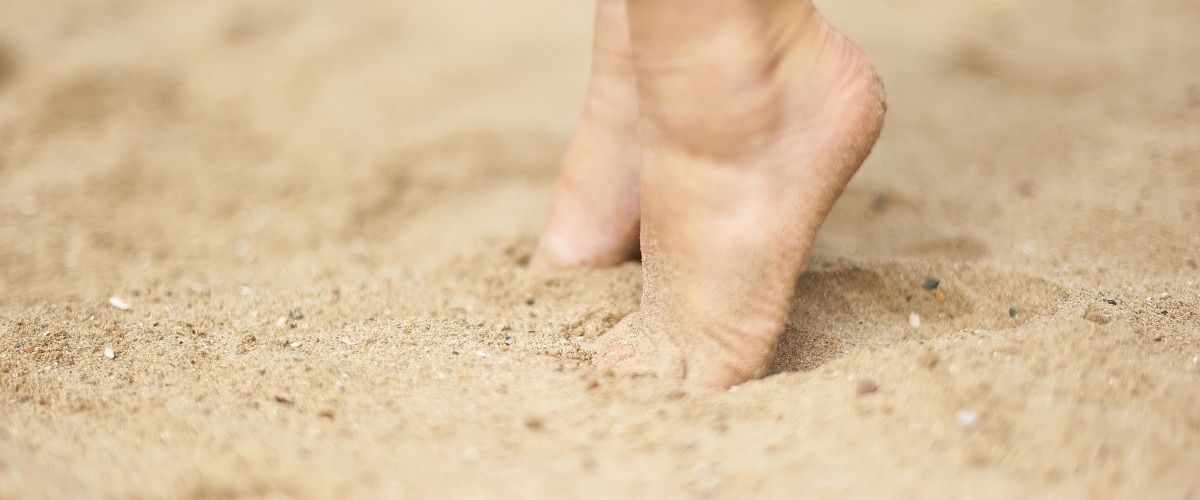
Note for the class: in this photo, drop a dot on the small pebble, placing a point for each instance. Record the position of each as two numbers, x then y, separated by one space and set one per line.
940 296
1012 312
295 314
880 203
967 419
1111 301
932 284
914 319
109 353
866 386
534 423
481 354
1025 188
241 248
118 303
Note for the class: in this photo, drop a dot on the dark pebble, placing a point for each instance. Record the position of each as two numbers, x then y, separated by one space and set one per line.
534 423
866 386
1111 301
283 400
454 353
1164 313
932 284
1158 339
1012 312
507 337
529 302
296 314
880 203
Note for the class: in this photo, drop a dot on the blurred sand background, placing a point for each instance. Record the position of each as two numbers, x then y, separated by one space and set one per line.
382 168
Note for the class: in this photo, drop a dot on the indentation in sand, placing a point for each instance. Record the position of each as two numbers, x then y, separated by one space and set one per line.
842 306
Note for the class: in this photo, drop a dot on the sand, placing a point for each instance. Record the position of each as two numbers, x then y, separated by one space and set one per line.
382 168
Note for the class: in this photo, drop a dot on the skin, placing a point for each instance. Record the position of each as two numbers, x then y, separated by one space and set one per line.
594 217
751 117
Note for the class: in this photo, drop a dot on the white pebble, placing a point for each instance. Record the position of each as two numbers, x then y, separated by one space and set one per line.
241 248
109 353
118 303
966 418
295 344
914 319
481 354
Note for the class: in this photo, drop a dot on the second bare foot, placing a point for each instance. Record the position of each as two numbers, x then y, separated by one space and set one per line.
594 219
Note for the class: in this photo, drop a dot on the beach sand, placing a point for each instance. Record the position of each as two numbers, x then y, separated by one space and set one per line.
319 216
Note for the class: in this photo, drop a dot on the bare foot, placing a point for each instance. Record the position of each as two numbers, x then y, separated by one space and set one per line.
594 218
754 116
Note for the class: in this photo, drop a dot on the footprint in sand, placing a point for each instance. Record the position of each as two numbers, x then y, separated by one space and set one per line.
843 306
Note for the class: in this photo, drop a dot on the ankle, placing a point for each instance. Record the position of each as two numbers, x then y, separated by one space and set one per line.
754 81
